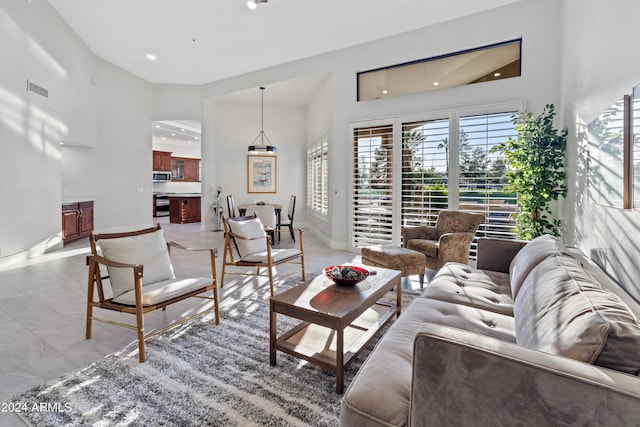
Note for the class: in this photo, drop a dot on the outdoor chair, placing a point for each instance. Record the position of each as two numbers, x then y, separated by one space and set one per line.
141 279
255 252
448 241
288 221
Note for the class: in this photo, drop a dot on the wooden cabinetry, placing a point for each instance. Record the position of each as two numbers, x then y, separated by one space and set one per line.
161 160
185 169
184 209
77 220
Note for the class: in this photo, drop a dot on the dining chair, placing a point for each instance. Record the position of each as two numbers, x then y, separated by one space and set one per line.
267 215
231 206
288 221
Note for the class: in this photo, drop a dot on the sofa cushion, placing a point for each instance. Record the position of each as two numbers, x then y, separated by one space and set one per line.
461 284
148 250
530 256
391 362
563 310
164 290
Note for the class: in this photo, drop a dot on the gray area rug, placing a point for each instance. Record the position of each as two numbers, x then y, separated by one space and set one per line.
199 374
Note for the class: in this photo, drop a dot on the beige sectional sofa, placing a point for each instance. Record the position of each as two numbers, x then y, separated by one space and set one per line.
535 335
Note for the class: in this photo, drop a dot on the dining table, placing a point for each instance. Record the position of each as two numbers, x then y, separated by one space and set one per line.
242 209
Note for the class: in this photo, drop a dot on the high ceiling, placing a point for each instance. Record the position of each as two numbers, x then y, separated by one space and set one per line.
201 41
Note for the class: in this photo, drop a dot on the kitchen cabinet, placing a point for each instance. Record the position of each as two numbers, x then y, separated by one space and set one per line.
185 169
77 220
161 160
184 209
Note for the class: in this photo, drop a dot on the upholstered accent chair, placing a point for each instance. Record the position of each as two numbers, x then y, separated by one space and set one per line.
141 279
256 257
448 241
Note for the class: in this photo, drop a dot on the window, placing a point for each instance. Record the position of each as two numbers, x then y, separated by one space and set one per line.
481 186
318 176
494 62
425 154
372 188
445 162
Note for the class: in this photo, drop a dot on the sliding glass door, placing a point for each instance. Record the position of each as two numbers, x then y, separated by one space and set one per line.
406 169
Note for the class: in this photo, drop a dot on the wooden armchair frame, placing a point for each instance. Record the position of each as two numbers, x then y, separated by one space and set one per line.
95 282
274 257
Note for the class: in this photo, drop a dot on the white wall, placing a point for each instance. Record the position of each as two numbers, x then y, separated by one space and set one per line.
318 126
228 129
38 46
102 113
117 172
537 22
600 65
177 102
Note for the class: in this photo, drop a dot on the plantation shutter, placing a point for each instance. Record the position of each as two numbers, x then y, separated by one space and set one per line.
482 173
371 210
424 170
318 177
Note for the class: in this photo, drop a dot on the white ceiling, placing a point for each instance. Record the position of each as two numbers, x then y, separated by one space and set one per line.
201 41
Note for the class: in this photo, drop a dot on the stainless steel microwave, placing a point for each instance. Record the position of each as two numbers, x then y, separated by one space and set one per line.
161 176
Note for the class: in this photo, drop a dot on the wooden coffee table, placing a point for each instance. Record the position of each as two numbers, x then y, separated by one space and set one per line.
337 321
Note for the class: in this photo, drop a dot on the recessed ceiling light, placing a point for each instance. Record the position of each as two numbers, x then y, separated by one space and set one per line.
436 83
151 57
496 74
173 134
384 92
253 4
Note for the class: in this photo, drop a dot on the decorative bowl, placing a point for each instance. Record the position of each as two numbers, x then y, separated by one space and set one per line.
346 275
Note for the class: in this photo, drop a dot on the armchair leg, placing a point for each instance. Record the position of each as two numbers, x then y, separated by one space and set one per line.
271 280
92 272
140 324
216 305
89 321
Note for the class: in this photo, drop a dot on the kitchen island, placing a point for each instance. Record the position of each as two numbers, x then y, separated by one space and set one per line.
184 208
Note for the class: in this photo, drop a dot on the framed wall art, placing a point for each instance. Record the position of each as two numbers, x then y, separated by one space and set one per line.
261 174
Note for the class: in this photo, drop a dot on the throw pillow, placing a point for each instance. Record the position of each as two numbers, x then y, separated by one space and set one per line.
149 250
250 228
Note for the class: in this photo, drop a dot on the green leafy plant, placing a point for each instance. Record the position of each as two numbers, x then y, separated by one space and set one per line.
535 161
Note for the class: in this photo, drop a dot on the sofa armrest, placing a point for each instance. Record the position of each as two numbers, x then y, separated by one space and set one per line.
424 232
464 378
496 254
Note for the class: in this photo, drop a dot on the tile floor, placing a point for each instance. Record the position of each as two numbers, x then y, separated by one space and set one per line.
42 308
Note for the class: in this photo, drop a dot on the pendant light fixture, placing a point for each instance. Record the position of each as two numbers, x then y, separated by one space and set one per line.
262 148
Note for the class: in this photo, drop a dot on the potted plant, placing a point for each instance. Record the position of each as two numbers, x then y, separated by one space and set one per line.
536 171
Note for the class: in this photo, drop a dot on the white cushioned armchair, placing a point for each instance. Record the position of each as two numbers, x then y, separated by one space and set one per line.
141 279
